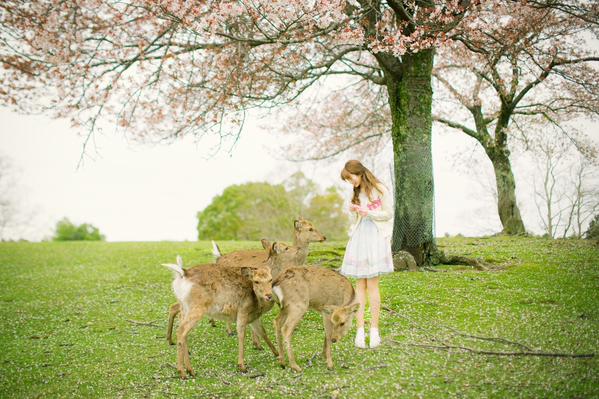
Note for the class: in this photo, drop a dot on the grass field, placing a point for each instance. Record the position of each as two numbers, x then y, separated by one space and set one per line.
83 319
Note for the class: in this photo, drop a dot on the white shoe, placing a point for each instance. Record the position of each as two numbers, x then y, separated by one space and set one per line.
360 340
375 338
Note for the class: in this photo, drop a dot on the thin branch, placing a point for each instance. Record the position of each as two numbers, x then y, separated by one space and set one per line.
339 151
458 126
493 353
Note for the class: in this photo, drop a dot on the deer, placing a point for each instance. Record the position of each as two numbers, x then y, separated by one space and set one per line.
299 289
304 233
239 295
279 256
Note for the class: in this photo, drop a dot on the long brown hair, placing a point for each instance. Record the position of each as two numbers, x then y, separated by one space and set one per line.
368 181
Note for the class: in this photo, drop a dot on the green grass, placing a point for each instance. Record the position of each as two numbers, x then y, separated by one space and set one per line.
70 317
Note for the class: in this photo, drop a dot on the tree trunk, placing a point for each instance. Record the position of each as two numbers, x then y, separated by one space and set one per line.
410 99
509 214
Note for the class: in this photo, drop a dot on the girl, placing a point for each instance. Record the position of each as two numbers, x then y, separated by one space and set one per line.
368 252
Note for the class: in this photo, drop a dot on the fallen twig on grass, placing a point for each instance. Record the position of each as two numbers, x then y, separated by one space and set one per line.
462 260
492 339
143 323
493 353
380 366
527 352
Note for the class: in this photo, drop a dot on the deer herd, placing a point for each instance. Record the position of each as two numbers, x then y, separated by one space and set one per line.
242 286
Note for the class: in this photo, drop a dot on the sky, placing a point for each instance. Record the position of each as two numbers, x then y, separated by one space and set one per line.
135 192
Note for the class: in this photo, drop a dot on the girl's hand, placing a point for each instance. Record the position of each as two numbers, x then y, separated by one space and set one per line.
357 208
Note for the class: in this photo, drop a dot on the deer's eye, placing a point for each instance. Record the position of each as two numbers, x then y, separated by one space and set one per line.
311 229
342 324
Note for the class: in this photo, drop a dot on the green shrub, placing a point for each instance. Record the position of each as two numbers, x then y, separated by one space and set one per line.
593 231
252 211
67 231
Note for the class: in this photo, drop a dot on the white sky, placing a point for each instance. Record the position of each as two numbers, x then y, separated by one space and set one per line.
135 192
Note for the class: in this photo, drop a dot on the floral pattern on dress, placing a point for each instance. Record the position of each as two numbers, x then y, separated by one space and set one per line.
377 203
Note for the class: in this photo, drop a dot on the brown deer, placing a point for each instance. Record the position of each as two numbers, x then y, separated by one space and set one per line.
304 233
299 289
239 295
279 257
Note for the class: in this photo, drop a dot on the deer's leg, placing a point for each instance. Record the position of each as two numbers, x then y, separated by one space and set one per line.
328 332
172 313
188 321
259 332
256 340
241 327
278 322
293 318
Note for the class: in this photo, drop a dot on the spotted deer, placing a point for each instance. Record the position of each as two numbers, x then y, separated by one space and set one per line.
239 295
298 289
279 257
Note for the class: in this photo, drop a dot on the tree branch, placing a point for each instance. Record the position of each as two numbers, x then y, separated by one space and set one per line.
458 126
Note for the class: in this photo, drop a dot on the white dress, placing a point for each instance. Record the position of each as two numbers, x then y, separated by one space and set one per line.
368 252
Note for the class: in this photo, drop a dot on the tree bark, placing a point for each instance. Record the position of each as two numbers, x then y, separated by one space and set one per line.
410 100
509 213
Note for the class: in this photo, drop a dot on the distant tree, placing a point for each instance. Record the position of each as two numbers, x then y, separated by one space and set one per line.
15 214
67 231
260 210
327 213
566 195
593 232
247 212
583 199
8 202
324 210
300 190
550 194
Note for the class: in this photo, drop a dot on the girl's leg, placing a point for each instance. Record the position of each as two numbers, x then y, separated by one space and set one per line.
374 297
360 340
361 297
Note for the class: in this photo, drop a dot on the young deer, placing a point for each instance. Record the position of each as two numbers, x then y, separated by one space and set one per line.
298 289
240 294
280 256
304 233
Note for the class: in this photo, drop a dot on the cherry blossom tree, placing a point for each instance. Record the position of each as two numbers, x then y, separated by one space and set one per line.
502 77
525 66
164 69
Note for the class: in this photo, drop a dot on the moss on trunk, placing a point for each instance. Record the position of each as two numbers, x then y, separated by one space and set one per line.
410 100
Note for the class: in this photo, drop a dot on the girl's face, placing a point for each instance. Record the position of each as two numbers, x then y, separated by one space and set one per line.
354 180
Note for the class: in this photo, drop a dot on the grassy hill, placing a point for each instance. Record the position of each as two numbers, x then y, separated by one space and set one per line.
88 319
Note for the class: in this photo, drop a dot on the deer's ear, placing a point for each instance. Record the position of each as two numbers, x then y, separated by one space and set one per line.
265 243
296 224
273 247
247 272
353 307
329 309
